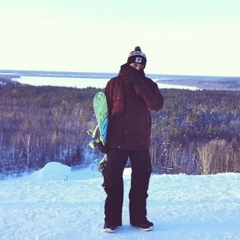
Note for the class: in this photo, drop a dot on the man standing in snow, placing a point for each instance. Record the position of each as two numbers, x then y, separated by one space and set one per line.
130 95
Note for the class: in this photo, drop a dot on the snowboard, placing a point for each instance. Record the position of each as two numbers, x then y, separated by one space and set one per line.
101 113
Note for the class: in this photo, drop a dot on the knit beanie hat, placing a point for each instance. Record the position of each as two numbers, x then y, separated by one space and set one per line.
137 56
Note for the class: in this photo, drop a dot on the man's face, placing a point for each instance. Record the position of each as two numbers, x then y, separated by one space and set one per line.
137 66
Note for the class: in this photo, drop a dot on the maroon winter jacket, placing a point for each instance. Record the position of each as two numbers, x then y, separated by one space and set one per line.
129 116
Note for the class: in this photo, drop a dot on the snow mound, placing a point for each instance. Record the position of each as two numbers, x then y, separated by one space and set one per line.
55 171
52 171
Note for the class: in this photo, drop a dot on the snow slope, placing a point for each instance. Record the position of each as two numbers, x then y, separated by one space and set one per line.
56 203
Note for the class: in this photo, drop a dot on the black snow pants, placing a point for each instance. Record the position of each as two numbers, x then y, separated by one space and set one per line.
114 186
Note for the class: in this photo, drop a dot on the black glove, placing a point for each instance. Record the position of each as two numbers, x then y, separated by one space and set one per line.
133 75
101 147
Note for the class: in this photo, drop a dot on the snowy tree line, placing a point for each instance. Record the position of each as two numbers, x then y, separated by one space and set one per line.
196 132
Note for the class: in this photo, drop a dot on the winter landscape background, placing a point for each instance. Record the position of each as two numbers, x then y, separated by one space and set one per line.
178 37
56 202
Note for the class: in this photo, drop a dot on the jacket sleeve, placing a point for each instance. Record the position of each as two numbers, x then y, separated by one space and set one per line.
151 94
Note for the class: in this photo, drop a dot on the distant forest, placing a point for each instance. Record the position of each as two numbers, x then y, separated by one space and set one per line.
196 132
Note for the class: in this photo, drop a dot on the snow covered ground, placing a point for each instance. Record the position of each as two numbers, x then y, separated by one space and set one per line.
56 203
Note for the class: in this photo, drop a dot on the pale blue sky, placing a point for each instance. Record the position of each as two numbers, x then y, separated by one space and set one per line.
199 37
